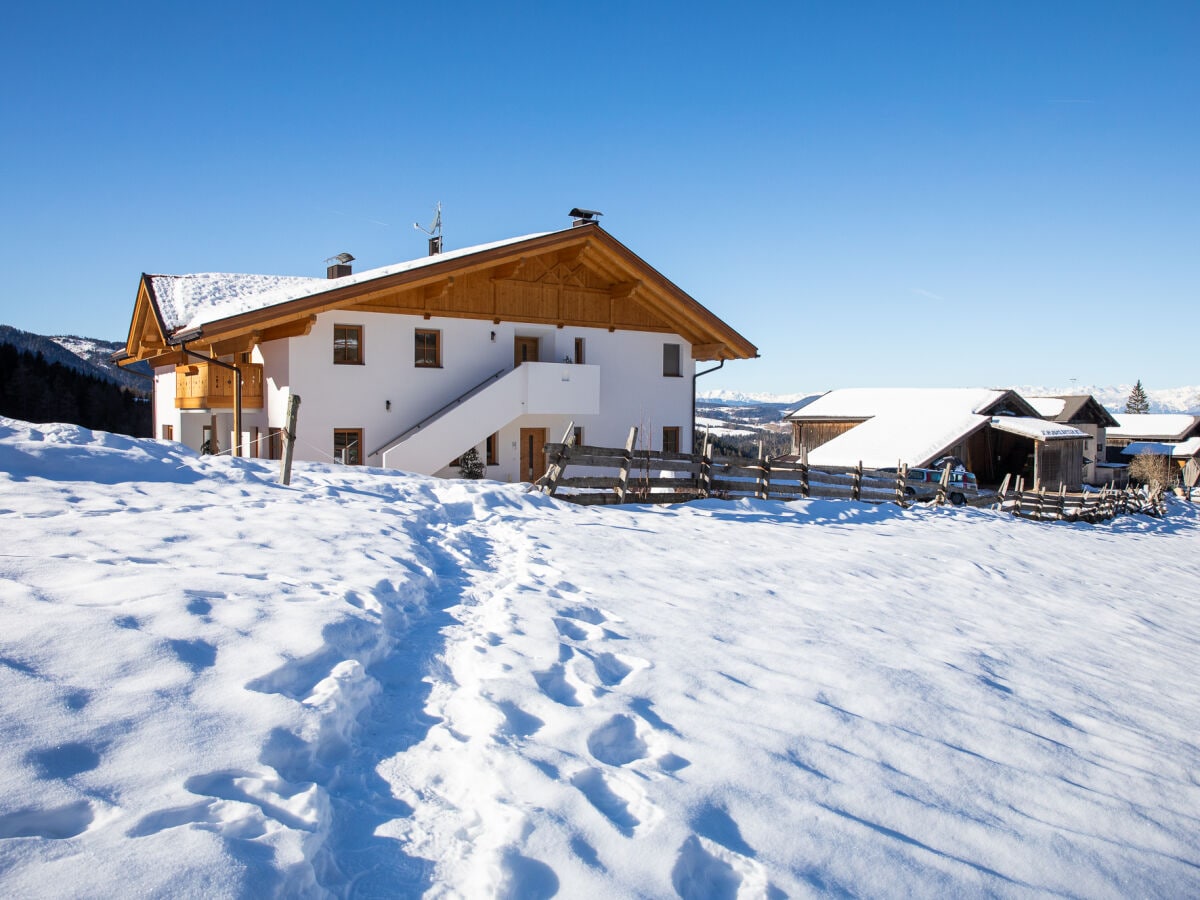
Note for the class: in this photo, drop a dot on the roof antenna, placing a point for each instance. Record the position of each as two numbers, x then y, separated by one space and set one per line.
434 231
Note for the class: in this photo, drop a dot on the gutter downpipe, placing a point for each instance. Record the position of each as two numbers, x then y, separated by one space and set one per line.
237 393
719 365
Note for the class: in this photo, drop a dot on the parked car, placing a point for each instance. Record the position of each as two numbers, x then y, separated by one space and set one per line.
922 484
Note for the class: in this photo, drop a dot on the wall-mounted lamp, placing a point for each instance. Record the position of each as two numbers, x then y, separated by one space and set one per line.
493 337
387 404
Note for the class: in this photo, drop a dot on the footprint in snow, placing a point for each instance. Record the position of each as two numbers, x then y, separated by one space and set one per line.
64 760
517 722
706 870
574 630
524 878
57 823
616 742
196 654
553 683
614 807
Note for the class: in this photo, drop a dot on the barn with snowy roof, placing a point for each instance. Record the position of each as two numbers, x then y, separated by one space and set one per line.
1085 412
993 432
496 347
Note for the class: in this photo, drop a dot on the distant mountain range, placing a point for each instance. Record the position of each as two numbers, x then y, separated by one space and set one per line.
1162 400
89 356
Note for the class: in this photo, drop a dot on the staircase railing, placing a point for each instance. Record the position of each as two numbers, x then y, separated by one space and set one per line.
432 417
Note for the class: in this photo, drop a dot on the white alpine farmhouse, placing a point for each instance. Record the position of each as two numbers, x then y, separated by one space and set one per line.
497 347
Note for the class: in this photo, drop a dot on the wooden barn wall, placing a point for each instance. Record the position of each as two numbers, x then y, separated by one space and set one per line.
810 435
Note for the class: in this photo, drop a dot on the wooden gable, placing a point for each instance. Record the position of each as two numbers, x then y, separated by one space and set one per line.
147 338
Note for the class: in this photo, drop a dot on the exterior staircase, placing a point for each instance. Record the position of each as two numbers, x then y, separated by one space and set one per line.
532 388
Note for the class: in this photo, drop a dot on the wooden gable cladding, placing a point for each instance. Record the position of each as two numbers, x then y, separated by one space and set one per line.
147 336
555 288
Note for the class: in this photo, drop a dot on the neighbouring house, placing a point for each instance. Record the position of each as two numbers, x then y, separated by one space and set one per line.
1161 428
498 347
1083 411
993 432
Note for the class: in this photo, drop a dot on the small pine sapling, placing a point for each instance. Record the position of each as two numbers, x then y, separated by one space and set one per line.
470 465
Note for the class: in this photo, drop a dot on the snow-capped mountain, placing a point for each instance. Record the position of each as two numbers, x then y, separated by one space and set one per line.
91 356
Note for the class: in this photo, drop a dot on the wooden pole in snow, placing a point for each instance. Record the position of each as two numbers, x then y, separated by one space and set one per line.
289 439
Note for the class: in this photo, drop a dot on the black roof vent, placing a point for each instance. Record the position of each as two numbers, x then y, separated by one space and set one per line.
584 217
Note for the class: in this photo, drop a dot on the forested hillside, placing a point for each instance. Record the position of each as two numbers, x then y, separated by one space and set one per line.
37 390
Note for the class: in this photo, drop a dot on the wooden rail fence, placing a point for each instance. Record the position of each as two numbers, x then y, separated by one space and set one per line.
630 475
1095 506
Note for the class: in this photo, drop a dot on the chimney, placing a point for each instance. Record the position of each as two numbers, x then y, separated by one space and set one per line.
583 217
339 266
435 245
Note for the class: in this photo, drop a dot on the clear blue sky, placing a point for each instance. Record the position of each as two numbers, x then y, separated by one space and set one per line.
873 193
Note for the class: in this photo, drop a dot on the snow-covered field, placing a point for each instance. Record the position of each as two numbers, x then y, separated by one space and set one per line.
369 684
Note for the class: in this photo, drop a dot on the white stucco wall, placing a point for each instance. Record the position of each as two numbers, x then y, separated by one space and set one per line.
633 390
165 412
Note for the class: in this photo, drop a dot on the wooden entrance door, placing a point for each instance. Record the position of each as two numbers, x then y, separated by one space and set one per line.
533 457
525 349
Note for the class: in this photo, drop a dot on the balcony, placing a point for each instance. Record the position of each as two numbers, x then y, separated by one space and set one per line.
202 385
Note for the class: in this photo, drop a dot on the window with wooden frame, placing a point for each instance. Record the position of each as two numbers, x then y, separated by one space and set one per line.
579 351
347 446
348 345
168 432
671 364
428 349
493 449
578 435
670 439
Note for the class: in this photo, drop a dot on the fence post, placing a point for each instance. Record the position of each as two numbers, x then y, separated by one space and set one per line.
1002 493
706 467
559 464
623 483
943 486
1020 490
901 478
762 484
856 482
804 473
289 439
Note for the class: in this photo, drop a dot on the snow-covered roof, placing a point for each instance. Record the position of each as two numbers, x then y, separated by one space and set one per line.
1152 426
190 301
184 298
910 425
1048 407
1038 429
1183 450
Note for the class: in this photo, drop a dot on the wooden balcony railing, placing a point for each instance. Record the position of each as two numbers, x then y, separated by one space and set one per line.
202 385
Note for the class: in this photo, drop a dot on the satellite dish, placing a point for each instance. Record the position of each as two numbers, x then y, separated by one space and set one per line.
434 230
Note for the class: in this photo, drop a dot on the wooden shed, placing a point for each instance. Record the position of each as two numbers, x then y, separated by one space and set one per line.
993 432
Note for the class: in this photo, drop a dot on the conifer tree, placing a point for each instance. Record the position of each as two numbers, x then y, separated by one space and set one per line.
1137 401
470 465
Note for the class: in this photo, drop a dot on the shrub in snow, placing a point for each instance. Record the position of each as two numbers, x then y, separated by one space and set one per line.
470 465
